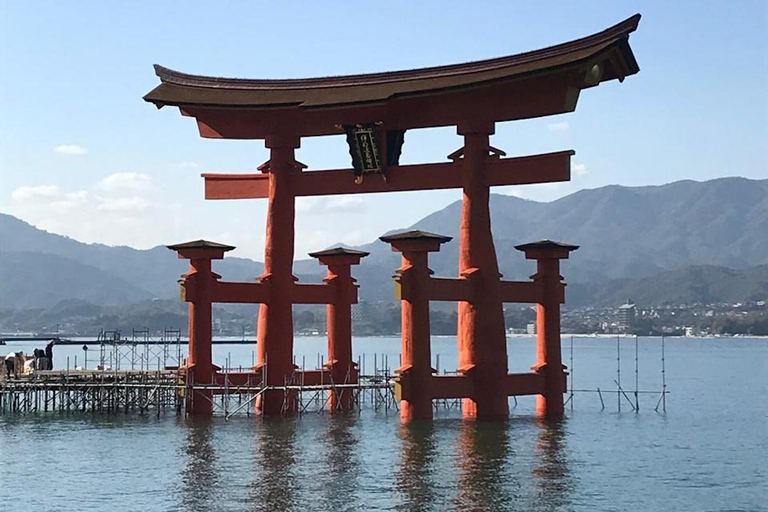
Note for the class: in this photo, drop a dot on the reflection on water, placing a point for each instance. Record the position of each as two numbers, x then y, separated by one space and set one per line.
415 476
199 478
341 462
551 472
483 453
274 463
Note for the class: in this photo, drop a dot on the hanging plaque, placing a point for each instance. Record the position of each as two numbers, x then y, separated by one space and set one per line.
363 149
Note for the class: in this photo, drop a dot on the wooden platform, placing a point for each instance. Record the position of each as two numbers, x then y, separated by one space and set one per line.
166 390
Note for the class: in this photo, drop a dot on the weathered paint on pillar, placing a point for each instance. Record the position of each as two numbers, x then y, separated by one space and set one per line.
548 347
415 372
481 333
197 289
339 322
275 328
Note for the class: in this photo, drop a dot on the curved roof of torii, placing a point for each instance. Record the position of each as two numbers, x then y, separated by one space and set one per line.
609 49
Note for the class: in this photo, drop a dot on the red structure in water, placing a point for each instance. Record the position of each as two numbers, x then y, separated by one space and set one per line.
483 381
374 111
201 288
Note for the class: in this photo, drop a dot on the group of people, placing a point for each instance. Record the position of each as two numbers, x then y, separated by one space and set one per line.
17 363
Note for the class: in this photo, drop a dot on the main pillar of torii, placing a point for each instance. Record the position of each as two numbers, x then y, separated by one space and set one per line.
380 108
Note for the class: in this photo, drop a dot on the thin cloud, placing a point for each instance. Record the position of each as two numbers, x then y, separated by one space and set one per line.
559 127
31 193
121 209
579 169
70 149
123 182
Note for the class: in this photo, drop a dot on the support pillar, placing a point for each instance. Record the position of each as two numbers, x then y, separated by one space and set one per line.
412 285
344 290
548 350
275 327
197 289
481 333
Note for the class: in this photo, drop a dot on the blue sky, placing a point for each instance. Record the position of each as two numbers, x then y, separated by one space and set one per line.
82 155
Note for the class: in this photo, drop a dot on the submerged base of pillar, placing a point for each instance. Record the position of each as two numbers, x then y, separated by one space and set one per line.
199 402
415 411
489 398
550 406
415 396
489 408
341 400
550 403
341 374
277 402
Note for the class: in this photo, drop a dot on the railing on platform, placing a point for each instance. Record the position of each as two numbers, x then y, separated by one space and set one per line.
140 351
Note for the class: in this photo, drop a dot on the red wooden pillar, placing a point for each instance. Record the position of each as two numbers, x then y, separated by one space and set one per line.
415 373
548 351
343 369
481 332
275 328
197 289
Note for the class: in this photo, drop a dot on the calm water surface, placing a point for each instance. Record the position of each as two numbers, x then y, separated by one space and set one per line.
708 452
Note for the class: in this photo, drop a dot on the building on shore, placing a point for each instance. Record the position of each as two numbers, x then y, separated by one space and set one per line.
627 314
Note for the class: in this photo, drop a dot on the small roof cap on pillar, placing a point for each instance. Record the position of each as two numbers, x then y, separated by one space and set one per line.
415 241
415 235
200 244
339 256
200 249
546 249
546 245
338 251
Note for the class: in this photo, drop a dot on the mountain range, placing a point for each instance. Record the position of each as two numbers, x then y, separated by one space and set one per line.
686 241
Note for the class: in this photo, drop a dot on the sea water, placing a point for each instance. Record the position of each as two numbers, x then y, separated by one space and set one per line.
707 452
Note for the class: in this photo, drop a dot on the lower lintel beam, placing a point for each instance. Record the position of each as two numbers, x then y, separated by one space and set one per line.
242 293
312 294
451 386
315 377
545 168
525 292
525 384
447 289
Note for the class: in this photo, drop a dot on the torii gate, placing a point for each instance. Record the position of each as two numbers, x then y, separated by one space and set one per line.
472 96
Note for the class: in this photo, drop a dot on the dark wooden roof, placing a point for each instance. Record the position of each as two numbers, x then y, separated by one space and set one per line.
415 235
609 48
546 244
338 251
200 244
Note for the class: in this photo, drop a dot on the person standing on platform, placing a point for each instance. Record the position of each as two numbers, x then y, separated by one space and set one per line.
10 365
49 354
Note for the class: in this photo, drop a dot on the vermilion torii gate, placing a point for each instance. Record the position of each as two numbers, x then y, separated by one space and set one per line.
473 97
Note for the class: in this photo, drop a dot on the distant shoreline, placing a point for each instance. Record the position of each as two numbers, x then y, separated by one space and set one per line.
222 340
